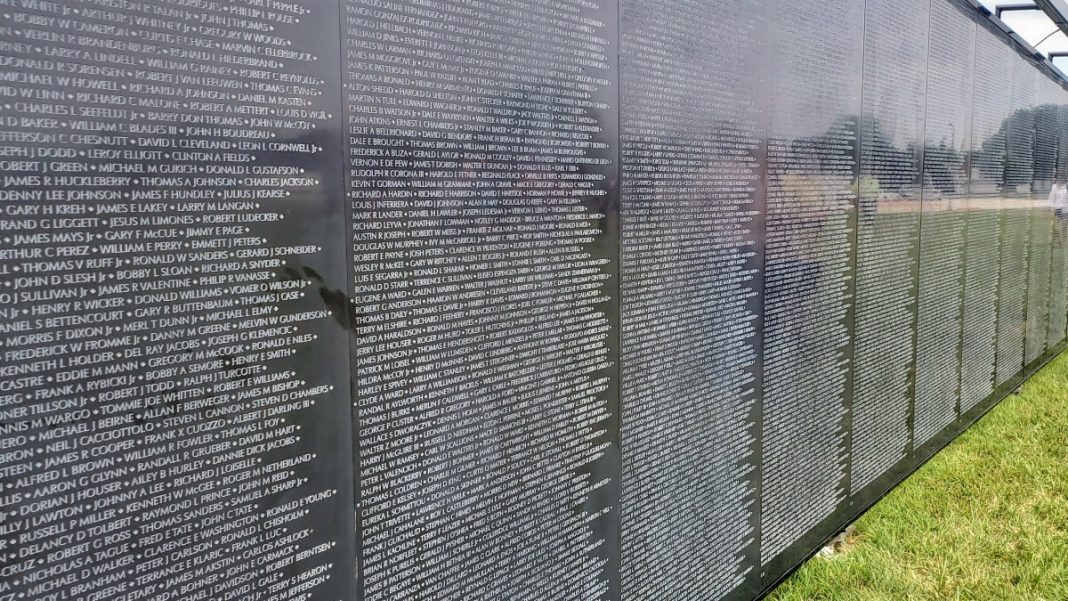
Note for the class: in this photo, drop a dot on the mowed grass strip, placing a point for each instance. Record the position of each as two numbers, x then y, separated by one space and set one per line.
985 520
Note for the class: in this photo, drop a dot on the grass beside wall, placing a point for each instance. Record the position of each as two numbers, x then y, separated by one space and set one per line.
985 520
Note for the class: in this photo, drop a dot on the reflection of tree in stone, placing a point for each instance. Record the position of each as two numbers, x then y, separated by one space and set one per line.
831 146
881 176
1062 143
1047 146
941 168
1011 169
944 160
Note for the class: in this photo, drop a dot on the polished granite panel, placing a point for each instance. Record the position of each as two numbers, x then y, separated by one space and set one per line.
948 139
501 300
813 165
482 198
175 374
1016 219
991 111
892 154
692 200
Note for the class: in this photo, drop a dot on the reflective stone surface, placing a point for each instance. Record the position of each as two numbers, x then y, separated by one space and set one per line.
948 137
485 308
982 253
888 233
693 162
1038 283
1058 314
501 300
812 170
1041 266
174 385
1016 219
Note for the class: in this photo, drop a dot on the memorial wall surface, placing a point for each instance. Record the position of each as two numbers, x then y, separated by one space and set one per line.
174 386
501 300
814 102
944 220
482 154
1015 221
982 253
692 163
888 235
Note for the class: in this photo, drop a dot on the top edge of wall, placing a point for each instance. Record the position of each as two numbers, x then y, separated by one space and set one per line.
1021 45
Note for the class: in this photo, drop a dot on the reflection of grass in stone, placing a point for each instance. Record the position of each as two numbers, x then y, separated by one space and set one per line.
987 519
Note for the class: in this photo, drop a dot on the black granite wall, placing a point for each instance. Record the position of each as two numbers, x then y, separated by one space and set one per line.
501 300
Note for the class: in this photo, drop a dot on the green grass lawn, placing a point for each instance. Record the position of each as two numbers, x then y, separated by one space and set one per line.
985 520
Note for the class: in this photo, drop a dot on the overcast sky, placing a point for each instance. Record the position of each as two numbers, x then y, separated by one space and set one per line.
1033 26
